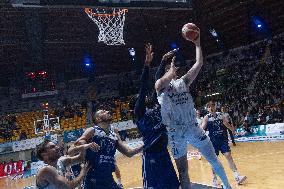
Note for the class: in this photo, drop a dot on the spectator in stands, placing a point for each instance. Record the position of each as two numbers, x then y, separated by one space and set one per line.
33 156
23 136
248 119
261 116
247 129
279 115
39 127
28 167
47 135
198 117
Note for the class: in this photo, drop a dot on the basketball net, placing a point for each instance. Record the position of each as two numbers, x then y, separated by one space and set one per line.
110 25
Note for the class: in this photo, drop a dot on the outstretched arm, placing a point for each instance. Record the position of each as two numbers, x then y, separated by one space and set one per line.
77 153
81 144
140 107
81 148
73 160
50 175
161 69
167 77
129 152
227 124
204 123
193 72
124 149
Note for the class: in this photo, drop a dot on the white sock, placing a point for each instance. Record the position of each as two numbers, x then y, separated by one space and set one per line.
236 174
119 181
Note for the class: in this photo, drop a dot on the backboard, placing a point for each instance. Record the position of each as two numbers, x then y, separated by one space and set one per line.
129 4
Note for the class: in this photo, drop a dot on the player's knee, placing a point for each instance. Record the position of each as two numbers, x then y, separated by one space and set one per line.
214 162
211 158
183 174
228 155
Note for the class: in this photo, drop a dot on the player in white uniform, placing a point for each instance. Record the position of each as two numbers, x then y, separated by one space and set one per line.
51 176
178 113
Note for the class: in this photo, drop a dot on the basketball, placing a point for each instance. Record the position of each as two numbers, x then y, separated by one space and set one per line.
190 32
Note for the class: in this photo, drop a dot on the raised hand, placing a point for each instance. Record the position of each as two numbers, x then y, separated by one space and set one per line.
149 54
173 67
93 146
197 41
169 54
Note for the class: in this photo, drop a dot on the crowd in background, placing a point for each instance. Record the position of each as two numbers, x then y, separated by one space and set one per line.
7 126
247 80
249 83
68 110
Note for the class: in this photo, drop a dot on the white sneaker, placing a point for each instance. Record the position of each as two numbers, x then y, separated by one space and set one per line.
215 181
241 179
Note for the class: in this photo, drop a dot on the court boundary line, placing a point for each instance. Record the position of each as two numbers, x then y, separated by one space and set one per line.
191 183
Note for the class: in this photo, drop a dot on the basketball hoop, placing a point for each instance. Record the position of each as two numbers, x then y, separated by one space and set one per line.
47 125
110 24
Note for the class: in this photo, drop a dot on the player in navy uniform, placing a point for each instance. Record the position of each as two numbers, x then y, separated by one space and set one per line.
225 113
157 169
75 169
216 123
102 158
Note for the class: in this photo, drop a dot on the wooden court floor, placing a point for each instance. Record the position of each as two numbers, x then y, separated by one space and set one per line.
261 162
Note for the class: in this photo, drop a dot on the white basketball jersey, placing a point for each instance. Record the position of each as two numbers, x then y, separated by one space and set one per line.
61 169
177 107
50 185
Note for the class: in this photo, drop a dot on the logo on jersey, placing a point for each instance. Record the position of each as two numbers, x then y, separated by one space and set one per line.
106 159
179 98
108 145
217 123
156 117
171 88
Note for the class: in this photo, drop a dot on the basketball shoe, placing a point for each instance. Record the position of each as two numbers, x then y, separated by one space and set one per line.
215 181
240 179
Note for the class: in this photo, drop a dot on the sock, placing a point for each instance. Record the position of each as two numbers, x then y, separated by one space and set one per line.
119 181
236 174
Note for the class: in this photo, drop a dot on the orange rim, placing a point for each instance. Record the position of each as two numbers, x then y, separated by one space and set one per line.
90 12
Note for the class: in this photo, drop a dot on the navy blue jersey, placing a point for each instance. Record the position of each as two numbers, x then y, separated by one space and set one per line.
149 121
103 161
154 133
217 130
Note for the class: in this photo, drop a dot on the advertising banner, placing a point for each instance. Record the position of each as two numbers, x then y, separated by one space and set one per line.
73 135
11 168
261 133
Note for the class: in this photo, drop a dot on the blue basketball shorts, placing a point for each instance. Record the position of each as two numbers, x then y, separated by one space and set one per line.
221 146
102 182
158 171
